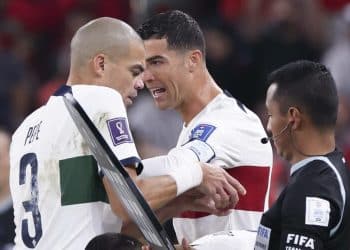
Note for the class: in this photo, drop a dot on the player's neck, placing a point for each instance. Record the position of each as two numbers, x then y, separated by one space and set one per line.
80 77
313 143
75 79
198 99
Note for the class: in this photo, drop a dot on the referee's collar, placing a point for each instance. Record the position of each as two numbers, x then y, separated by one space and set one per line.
295 167
304 162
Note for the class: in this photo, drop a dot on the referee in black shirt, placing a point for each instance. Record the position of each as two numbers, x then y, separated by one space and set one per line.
313 211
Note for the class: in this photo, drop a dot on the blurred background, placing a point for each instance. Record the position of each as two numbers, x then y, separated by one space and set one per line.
246 39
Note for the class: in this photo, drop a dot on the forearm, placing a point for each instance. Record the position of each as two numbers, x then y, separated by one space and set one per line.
172 209
157 191
165 164
191 200
114 201
181 164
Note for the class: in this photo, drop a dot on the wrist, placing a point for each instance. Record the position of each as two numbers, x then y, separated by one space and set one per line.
188 173
187 179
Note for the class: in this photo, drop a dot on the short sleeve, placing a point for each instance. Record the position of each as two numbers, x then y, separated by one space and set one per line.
106 109
311 208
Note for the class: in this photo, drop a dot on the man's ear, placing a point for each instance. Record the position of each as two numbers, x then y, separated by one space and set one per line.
194 60
294 117
99 64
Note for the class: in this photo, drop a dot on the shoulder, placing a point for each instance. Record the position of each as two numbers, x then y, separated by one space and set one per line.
316 177
318 189
23 127
318 171
95 93
93 97
228 113
225 119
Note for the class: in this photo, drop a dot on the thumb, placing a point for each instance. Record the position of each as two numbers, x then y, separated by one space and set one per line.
185 244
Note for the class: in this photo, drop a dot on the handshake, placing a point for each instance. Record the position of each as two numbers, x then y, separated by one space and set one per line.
217 193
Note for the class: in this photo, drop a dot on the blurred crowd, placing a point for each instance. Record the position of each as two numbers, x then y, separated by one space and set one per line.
246 39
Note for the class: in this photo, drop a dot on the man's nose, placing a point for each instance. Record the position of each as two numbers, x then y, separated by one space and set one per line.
139 84
268 128
147 76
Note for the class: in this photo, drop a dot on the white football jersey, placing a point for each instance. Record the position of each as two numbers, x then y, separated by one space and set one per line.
229 135
59 199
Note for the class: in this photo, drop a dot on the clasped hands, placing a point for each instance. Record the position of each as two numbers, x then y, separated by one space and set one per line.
217 194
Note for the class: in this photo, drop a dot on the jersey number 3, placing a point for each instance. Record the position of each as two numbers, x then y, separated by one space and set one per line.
31 205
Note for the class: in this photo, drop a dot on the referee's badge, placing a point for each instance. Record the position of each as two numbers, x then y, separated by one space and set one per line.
119 131
317 211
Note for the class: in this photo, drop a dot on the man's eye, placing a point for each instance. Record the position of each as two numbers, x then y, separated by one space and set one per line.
155 62
135 73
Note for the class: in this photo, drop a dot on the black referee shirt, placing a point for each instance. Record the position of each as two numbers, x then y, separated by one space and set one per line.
313 211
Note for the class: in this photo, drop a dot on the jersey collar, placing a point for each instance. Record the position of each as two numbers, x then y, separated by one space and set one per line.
62 90
304 162
301 164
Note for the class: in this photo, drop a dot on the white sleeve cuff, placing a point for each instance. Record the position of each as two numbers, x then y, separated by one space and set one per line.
180 163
